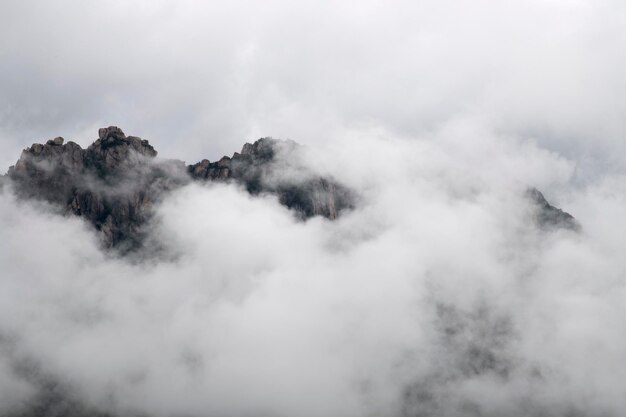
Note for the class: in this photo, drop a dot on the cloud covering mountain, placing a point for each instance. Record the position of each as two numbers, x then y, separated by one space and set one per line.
439 294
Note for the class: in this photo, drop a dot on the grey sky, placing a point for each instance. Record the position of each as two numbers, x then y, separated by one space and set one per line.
438 113
199 79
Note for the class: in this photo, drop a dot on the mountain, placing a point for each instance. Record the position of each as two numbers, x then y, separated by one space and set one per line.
115 183
549 217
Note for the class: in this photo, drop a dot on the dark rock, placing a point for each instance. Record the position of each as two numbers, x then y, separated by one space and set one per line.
112 184
267 165
110 133
224 162
58 141
115 152
549 217
115 182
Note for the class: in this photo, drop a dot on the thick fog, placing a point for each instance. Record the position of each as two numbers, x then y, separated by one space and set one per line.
438 295
200 78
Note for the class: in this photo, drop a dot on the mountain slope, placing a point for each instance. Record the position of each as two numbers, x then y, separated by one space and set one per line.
116 181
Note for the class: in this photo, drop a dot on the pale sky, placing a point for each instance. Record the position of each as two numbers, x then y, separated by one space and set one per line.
198 79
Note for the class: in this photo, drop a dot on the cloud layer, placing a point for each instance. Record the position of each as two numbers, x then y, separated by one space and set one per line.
437 296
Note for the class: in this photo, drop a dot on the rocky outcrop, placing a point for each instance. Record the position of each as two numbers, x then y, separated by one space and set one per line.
112 183
549 217
270 165
115 182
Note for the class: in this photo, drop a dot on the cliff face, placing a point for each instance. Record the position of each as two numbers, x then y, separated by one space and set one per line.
270 165
115 182
549 217
112 183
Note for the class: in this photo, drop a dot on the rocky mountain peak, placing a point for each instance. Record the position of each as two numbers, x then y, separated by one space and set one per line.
58 141
110 133
115 182
114 137
265 149
274 166
114 151
548 216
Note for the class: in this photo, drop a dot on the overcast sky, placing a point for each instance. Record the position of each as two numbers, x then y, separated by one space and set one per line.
198 79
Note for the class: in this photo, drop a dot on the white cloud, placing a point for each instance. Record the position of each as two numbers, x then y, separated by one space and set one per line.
200 79
263 315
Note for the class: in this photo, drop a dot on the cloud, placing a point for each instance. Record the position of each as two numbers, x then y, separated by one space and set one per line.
200 79
436 295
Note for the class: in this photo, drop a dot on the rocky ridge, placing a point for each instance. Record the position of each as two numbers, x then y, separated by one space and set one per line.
549 217
258 169
116 181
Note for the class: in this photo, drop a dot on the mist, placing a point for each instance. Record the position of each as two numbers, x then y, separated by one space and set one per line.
437 295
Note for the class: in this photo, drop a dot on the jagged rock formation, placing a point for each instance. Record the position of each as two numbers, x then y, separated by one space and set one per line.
112 183
263 167
115 182
549 217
